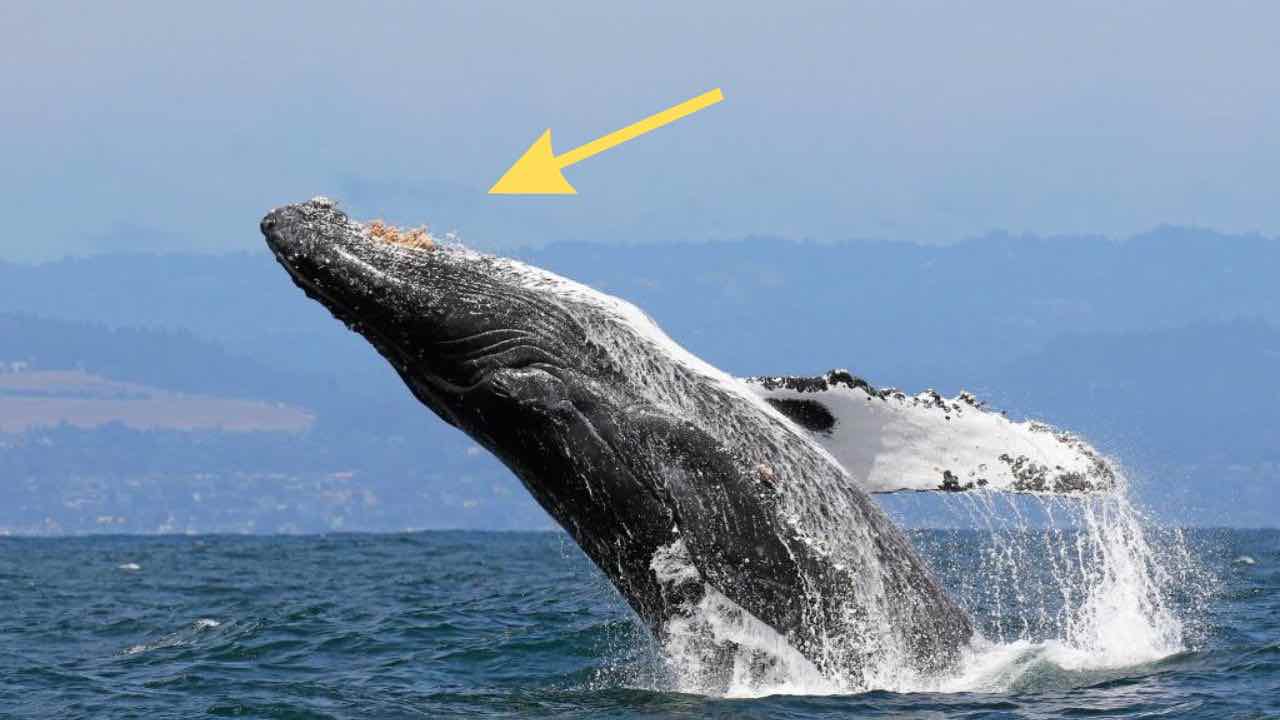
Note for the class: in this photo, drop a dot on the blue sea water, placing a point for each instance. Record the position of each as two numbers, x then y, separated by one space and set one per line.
452 624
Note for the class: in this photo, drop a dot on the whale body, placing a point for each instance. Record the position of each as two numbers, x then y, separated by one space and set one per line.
709 502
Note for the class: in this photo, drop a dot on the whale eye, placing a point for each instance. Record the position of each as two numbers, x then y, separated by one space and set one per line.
808 414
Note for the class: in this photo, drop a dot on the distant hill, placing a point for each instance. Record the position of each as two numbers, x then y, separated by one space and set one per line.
1161 348
170 357
31 400
1199 394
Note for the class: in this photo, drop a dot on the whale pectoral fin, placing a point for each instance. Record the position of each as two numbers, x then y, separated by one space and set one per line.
737 546
889 441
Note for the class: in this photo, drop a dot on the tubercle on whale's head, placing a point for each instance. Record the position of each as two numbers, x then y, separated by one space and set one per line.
445 317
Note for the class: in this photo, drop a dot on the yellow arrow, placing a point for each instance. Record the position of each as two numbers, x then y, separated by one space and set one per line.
537 172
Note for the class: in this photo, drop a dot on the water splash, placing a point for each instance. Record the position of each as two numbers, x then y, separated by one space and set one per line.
1071 585
1091 578
1060 588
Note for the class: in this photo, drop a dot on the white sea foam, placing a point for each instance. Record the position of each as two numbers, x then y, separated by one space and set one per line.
183 637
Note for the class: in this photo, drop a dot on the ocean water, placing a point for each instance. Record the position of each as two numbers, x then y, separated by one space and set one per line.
459 624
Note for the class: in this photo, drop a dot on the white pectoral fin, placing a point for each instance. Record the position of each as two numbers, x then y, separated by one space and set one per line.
890 441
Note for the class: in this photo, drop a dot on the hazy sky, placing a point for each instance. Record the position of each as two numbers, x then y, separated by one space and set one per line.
176 125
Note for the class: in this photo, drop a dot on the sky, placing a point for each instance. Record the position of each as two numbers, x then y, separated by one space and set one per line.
175 126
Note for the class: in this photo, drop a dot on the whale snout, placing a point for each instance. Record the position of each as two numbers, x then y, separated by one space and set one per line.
300 230
270 227
396 283
273 225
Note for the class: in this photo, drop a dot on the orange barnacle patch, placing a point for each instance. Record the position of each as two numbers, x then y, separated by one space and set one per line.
417 238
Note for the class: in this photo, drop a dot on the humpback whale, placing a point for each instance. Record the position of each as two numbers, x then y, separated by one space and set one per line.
705 499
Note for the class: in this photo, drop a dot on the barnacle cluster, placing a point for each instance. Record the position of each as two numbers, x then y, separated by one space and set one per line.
417 238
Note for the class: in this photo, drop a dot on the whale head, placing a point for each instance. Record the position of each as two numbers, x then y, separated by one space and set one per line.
492 347
456 326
